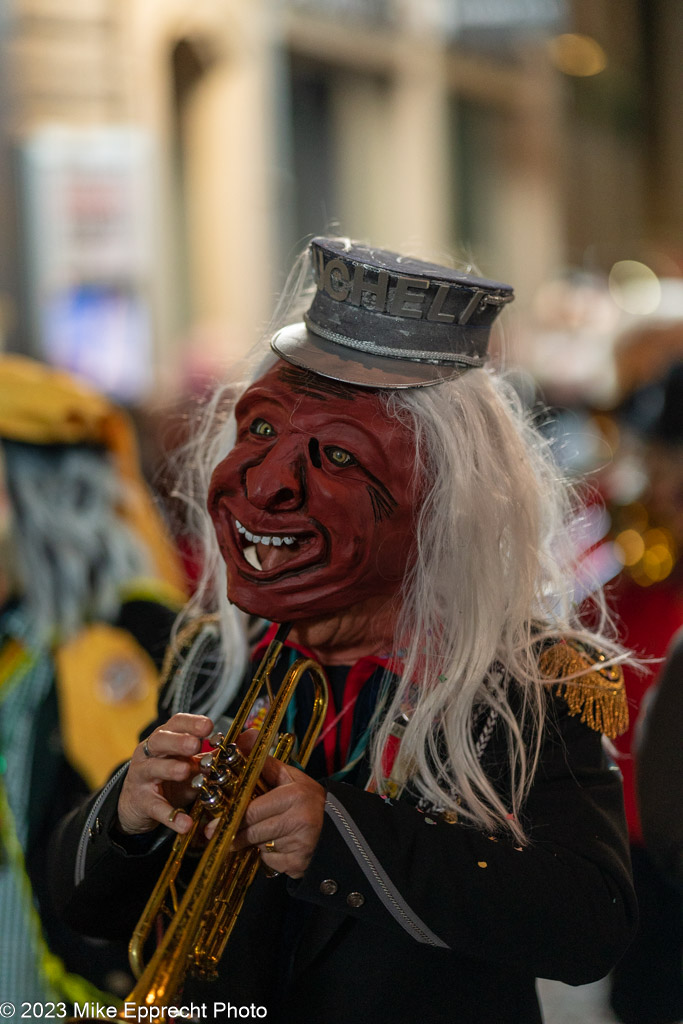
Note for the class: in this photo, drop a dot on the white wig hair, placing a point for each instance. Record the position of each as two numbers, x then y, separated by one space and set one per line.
74 552
494 576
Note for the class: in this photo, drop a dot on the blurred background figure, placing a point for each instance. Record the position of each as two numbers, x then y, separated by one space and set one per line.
89 589
647 985
660 767
633 455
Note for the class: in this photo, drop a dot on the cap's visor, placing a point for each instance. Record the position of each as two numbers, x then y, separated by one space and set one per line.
303 348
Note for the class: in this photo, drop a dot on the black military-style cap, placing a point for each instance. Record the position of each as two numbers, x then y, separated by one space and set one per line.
379 319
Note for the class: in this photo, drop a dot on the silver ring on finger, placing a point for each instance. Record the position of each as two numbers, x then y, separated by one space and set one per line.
146 751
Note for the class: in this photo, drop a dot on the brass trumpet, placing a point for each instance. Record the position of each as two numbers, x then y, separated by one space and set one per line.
201 921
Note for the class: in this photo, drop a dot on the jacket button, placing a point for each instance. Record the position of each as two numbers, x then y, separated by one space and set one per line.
328 887
355 899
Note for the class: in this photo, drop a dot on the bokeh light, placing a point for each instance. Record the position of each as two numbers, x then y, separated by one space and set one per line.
577 55
630 547
634 287
648 554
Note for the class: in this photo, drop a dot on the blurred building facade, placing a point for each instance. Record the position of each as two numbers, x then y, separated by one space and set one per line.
163 161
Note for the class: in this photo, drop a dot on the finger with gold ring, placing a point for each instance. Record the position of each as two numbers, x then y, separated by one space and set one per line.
270 846
145 749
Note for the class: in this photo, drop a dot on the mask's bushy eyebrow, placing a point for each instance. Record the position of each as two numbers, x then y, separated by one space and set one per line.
314 452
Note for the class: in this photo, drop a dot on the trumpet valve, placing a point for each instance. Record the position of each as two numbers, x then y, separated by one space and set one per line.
222 755
219 766
198 782
232 754
212 769
209 792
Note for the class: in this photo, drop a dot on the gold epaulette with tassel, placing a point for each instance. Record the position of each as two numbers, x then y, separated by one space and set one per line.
596 692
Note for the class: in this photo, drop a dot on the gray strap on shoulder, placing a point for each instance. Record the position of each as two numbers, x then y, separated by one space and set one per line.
381 884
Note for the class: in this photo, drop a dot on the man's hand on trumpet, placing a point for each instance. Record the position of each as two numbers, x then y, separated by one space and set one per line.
285 822
158 778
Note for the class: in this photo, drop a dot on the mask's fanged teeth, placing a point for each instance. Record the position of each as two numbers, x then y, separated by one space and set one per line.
251 556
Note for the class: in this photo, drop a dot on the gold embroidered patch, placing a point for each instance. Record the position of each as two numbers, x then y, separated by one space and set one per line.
596 693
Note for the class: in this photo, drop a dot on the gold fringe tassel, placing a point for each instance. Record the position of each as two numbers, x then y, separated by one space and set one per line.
596 693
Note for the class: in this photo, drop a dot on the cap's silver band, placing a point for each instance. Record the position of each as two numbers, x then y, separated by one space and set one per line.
416 355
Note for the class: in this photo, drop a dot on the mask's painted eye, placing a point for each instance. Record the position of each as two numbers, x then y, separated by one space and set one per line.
339 456
262 428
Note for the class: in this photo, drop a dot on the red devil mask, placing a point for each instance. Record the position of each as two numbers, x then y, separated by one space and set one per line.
321 483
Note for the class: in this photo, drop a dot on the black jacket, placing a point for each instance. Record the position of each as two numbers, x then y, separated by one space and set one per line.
401 916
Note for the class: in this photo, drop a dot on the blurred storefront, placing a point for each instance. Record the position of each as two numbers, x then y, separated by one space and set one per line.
162 161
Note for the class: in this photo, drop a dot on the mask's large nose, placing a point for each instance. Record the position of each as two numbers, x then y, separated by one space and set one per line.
278 482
